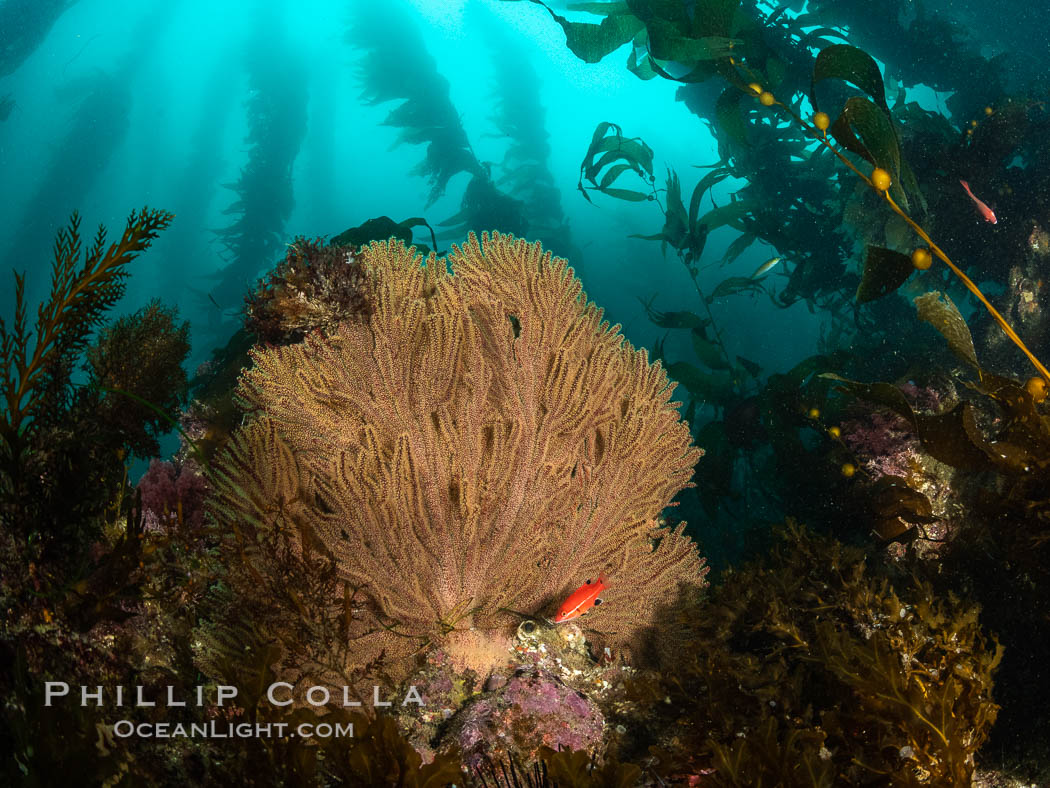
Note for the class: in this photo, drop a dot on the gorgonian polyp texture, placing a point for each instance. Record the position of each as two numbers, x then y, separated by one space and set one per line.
482 443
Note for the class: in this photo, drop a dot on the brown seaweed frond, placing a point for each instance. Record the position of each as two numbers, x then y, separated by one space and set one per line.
33 381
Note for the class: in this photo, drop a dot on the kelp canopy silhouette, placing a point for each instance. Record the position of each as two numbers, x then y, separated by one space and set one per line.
24 24
95 132
520 117
7 105
276 110
195 181
397 67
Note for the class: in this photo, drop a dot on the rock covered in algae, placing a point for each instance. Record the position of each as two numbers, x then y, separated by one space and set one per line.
533 709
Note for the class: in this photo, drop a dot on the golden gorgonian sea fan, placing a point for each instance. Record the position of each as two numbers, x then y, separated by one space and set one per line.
482 443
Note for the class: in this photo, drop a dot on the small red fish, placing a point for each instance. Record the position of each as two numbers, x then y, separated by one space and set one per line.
581 600
984 210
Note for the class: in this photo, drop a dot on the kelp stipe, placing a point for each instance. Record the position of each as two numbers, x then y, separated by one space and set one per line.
850 63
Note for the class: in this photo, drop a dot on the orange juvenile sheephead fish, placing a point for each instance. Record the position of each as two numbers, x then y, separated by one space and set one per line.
984 210
581 600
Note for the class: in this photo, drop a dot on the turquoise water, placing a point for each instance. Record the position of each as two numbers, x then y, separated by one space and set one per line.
852 304
123 104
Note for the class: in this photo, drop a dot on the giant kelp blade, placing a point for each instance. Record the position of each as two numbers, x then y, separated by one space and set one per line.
816 36
954 439
881 393
632 150
777 71
911 184
642 68
683 319
521 118
778 402
626 194
714 17
707 351
893 498
396 66
698 230
1024 437
577 768
730 116
752 368
612 174
734 285
618 154
738 247
378 229
884 271
676 226
589 42
866 130
716 175
842 61
697 241
1024 424
598 133
600 7
666 46
716 389
593 42
946 318
731 214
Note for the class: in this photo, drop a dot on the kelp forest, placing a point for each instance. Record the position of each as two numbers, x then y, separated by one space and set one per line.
438 494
